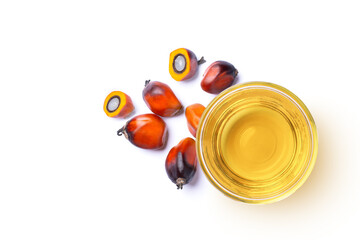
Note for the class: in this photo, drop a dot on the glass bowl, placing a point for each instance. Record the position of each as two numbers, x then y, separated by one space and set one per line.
257 142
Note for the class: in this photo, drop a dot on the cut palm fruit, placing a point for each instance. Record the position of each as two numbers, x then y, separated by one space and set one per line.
118 105
183 64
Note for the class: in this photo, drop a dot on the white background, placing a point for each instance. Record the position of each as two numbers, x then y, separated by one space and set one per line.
64 174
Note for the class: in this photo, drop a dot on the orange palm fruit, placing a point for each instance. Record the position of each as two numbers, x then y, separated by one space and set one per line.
183 64
146 131
160 99
193 114
218 76
118 105
181 162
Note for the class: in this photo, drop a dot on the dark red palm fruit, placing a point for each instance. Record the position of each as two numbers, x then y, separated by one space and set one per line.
193 114
160 99
146 131
181 162
218 76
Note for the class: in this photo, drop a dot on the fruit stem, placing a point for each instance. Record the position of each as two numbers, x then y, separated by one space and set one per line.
236 72
180 182
147 82
120 131
201 61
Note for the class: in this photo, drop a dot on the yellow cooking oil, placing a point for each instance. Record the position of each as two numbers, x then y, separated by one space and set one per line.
257 142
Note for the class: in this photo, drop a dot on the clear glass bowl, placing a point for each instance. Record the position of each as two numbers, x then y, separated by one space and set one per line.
257 142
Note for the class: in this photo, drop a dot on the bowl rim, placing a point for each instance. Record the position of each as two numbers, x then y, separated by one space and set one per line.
281 90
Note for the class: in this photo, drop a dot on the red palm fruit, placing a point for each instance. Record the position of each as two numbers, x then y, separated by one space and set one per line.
146 131
161 99
181 162
193 114
218 76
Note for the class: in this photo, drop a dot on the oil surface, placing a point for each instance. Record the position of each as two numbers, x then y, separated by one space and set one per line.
256 143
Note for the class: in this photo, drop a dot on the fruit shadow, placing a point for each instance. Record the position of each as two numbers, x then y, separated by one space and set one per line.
310 194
